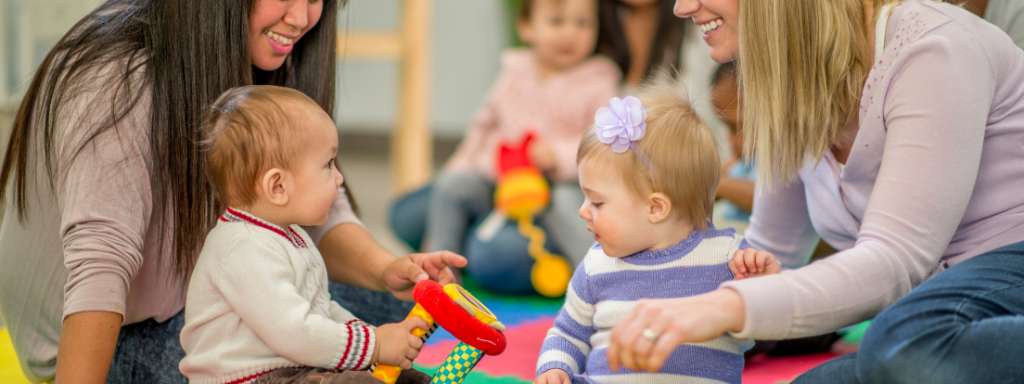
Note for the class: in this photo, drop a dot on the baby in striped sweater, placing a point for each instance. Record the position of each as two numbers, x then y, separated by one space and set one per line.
649 168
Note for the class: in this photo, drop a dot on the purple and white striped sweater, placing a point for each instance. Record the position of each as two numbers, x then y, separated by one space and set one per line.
604 289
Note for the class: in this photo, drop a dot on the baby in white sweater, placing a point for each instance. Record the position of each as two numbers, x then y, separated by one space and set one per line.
258 308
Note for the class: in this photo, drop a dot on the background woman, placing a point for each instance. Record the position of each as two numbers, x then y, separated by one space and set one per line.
895 131
108 204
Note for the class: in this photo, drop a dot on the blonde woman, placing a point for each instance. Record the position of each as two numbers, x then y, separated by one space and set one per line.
895 130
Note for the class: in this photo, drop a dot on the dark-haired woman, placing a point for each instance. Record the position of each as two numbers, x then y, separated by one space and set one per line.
641 36
107 201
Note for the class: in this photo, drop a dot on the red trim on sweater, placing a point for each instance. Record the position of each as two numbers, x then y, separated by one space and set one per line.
366 345
249 218
250 377
252 220
348 347
298 237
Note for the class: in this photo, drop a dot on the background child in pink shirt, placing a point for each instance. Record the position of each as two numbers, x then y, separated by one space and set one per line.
551 89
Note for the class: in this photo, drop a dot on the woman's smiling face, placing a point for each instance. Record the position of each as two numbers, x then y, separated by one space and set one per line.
276 25
718 21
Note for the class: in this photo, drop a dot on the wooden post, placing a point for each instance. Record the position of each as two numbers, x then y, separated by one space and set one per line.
411 141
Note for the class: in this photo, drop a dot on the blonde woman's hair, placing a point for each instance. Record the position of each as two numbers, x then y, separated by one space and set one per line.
678 155
802 68
249 130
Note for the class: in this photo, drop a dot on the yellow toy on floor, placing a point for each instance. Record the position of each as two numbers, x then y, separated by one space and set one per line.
521 193
10 371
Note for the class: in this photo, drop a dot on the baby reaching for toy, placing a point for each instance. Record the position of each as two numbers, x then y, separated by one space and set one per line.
258 308
649 168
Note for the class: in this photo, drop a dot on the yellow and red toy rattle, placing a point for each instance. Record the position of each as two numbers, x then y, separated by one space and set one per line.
462 315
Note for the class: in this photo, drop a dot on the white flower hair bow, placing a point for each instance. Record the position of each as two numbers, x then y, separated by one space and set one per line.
621 123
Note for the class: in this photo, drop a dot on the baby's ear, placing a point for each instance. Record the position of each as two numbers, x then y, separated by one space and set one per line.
273 185
659 207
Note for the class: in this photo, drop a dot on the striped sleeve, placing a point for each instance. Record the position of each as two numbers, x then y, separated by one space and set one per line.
568 341
358 346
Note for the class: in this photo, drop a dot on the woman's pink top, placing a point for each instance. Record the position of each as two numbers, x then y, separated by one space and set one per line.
935 176
559 109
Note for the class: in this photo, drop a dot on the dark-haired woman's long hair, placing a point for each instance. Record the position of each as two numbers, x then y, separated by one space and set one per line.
183 54
665 49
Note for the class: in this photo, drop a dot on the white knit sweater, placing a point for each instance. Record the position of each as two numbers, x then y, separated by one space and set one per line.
258 301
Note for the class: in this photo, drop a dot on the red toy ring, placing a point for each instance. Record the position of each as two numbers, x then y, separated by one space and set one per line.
456 320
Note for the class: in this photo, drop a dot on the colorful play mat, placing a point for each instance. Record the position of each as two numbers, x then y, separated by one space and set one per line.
528 319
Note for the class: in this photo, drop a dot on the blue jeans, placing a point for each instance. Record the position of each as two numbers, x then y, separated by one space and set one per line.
149 352
965 325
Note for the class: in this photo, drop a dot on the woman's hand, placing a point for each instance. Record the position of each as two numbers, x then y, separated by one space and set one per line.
645 338
401 275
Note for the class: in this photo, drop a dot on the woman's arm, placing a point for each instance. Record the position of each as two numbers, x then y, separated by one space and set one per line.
934 137
781 224
87 342
935 114
354 257
105 201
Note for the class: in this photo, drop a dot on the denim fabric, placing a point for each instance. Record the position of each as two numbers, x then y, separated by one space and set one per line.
965 325
374 308
501 264
149 352
408 216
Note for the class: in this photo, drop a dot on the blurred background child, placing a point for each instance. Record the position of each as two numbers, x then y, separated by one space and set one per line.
736 187
551 90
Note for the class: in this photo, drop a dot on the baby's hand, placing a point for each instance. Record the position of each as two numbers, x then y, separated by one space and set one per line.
542 156
751 263
553 376
396 345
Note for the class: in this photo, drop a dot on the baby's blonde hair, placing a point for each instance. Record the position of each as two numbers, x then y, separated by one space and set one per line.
249 130
681 154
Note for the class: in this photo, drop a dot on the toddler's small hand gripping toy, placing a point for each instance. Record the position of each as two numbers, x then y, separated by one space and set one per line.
465 317
522 193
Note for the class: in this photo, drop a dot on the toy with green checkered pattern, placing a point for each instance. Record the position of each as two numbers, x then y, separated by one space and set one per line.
458 364
457 311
